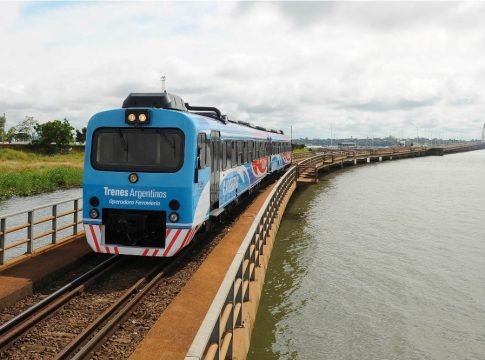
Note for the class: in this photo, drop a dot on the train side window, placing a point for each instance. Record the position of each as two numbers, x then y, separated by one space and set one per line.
236 147
208 156
239 152
223 155
250 151
229 154
202 150
257 149
233 158
245 151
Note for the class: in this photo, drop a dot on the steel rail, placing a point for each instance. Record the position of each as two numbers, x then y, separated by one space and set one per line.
77 342
109 327
21 323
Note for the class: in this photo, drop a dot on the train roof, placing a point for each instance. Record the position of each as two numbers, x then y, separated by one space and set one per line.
169 101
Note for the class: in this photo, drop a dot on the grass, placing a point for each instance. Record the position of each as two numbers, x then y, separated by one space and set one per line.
27 173
305 150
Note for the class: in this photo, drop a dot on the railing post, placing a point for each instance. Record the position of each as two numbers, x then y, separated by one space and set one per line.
216 336
30 220
261 238
229 328
3 227
252 257
54 224
75 217
238 296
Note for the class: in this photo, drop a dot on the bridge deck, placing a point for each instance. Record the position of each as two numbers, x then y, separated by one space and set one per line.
307 169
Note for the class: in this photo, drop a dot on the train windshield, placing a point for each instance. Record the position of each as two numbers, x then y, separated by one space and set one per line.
138 149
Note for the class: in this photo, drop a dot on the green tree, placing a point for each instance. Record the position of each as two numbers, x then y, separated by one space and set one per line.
55 132
3 120
25 131
81 136
10 135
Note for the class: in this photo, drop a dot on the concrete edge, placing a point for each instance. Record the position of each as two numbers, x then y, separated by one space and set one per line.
22 277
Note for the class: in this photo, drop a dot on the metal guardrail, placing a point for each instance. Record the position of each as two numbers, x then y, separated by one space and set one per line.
44 225
214 340
336 155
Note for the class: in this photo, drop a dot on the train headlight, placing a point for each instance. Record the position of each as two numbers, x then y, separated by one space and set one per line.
133 178
173 217
137 117
94 214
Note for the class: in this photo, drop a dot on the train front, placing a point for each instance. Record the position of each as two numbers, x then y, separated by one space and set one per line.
138 188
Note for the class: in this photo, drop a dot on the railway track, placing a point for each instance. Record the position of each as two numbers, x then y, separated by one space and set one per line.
33 333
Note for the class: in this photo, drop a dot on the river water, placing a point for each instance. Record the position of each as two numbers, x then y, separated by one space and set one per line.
21 205
382 261
16 204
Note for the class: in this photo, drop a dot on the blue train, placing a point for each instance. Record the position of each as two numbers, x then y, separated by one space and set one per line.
158 169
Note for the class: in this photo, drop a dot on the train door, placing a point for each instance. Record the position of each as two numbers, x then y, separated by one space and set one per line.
216 163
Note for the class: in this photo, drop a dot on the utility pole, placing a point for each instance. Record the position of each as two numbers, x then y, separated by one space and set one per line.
163 78
291 137
331 134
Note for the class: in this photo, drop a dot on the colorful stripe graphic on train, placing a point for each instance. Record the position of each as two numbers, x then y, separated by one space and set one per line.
157 170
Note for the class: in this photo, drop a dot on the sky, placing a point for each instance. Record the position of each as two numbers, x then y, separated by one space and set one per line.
322 69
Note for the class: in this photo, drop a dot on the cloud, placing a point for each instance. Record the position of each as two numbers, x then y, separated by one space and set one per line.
358 68
384 105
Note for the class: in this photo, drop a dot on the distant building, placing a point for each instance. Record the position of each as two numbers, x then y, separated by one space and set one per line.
347 145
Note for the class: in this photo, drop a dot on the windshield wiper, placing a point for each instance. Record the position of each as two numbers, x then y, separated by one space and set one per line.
123 142
167 139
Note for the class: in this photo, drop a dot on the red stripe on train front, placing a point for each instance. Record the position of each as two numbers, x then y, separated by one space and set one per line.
116 250
185 240
107 250
93 234
155 252
145 252
167 250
